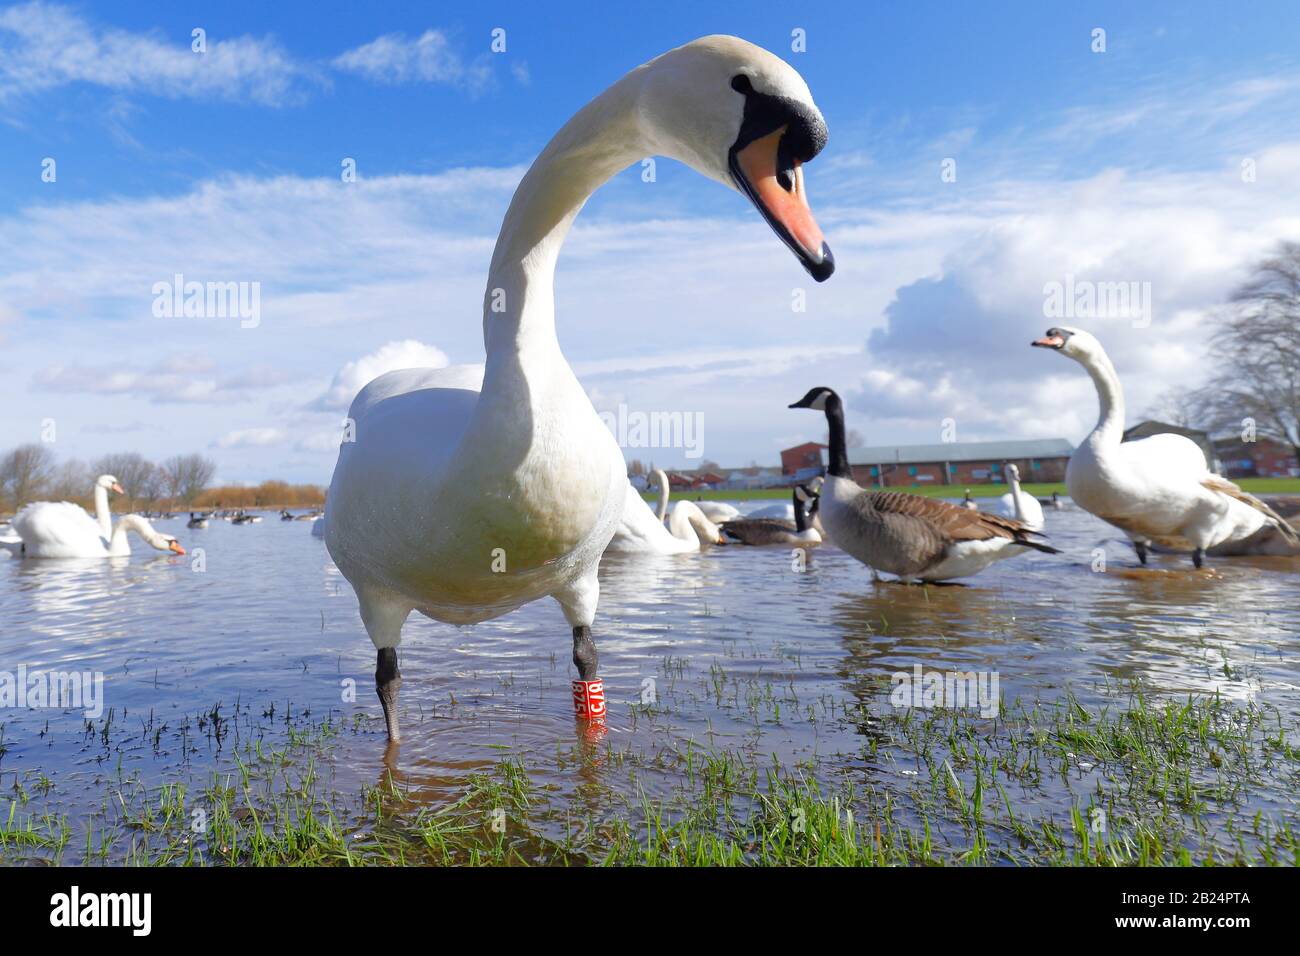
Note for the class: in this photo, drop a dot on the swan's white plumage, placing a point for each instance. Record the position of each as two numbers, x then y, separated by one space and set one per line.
641 532
1158 490
466 497
60 529
1025 508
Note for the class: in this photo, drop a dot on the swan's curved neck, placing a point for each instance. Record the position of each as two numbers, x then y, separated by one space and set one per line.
1110 398
662 480
103 514
142 528
603 138
1015 497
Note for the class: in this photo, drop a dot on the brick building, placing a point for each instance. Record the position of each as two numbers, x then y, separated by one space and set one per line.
959 463
1262 458
800 457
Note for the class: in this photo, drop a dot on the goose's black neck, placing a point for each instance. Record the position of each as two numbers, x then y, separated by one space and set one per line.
839 453
800 521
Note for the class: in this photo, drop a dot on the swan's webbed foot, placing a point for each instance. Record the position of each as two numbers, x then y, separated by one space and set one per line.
388 681
1141 548
1198 557
584 652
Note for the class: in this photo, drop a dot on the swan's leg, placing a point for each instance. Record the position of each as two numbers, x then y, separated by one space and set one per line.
388 681
1198 557
585 657
1141 548
383 618
578 601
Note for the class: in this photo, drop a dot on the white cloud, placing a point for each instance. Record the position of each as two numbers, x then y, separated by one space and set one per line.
176 379
252 438
354 376
428 58
43 46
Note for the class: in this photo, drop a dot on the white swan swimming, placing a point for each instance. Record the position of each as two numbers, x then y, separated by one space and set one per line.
1016 504
642 531
1158 490
50 529
12 541
463 499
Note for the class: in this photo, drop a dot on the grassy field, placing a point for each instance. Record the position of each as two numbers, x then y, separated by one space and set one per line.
1148 782
1261 486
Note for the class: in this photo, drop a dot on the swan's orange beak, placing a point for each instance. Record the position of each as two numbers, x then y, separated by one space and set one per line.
118 488
775 185
1048 342
175 547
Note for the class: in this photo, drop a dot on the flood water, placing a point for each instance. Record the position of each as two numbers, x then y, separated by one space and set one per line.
268 624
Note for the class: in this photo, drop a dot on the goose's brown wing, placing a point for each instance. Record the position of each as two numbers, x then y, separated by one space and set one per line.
756 530
951 521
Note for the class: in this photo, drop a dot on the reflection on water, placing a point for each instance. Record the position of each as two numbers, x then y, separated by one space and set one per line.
269 625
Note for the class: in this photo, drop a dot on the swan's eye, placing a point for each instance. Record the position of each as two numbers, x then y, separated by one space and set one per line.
741 84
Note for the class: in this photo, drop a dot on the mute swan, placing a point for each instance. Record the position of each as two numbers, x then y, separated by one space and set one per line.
763 531
640 530
718 511
916 538
468 494
715 511
50 529
1016 504
778 512
1158 490
103 514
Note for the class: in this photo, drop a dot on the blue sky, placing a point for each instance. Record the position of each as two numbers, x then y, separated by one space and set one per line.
1119 165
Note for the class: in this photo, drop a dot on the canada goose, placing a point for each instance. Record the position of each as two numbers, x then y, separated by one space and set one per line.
764 531
197 521
1016 504
969 503
916 538
1052 502
471 492
1159 490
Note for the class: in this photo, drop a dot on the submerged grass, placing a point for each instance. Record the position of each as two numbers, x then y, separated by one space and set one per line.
1147 781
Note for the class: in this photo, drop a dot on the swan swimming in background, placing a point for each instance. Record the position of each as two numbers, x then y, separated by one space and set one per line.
1159 490
49 529
1016 504
103 513
642 531
468 493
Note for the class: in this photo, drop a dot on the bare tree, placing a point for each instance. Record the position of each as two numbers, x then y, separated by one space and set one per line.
154 486
188 476
25 474
70 481
1177 406
1257 354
